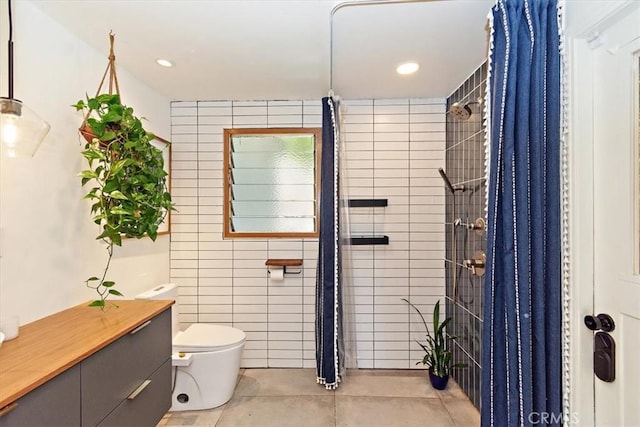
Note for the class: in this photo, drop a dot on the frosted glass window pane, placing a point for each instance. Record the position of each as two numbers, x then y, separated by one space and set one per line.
291 145
274 193
272 176
271 183
269 209
275 159
273 225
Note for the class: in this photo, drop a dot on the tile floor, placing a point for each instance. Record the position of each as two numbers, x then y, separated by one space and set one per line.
368 398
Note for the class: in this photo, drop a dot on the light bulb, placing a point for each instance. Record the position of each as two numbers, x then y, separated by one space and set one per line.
9 131
21 130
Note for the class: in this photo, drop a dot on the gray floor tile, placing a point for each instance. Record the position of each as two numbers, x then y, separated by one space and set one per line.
462 411
368 398
280 382
363 411
386 382
453 390
283 411
205 418
181 420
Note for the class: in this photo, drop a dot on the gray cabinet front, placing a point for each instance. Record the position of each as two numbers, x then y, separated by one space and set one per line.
56 403
116 371
143 409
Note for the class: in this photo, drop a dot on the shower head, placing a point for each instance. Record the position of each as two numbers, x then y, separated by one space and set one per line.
450 186
462 111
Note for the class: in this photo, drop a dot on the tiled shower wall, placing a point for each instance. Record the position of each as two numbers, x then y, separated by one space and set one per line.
393 150
465 166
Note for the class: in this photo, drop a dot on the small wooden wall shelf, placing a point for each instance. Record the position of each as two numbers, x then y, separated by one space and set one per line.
283 262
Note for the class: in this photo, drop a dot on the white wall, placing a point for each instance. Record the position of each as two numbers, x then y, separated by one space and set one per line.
47 240
394 148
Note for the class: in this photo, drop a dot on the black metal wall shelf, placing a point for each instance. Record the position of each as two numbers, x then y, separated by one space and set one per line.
369 240
367 203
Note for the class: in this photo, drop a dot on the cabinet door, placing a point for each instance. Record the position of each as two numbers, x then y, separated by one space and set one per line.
113 373
149 406
55 403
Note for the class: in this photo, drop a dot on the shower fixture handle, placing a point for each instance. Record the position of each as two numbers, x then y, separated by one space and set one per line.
476 264
478 225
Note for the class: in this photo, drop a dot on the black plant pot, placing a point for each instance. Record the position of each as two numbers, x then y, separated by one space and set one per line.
439 383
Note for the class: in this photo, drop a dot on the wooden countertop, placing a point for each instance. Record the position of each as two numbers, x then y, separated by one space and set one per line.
49 346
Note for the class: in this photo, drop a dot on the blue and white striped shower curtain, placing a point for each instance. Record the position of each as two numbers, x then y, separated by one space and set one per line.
329 331
522 345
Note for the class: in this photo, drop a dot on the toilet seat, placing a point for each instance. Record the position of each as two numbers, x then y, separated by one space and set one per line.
201 337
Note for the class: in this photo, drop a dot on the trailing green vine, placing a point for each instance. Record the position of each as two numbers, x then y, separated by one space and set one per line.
129 194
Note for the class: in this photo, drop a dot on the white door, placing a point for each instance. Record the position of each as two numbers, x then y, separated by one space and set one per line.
616 244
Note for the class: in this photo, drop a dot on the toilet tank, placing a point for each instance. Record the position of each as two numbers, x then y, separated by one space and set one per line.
165 291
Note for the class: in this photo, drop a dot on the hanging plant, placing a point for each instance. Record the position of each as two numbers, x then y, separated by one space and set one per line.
129 195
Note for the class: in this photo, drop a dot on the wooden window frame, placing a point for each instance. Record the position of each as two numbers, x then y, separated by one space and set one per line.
228 133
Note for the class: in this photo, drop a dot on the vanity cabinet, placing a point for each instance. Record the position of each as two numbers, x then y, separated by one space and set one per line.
55 403
112 375
124 381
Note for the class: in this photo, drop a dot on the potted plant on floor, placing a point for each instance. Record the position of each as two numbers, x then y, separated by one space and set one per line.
129 194
437 356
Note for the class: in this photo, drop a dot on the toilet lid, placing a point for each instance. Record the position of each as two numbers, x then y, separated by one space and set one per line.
207 337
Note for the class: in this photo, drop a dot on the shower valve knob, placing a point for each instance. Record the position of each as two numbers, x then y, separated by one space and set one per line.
476 264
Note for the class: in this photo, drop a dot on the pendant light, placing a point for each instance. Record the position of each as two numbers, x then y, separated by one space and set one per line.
21 130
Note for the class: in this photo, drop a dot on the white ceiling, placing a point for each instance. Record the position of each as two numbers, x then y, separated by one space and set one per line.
252 49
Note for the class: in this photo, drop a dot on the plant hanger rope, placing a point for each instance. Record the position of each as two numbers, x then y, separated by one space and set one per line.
113 77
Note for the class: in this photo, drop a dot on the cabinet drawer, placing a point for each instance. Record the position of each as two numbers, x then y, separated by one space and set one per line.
113 373
149 406
55 403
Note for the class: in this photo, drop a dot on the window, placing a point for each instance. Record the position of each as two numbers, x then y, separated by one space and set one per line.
271 182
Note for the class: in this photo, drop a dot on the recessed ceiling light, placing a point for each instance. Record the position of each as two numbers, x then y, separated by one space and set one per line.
164 62
407 68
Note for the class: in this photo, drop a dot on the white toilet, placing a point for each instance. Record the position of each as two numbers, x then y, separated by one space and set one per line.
206 358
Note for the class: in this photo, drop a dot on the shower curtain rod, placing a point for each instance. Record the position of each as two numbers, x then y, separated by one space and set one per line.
356 3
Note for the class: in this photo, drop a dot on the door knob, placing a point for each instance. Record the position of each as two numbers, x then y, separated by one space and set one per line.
602 322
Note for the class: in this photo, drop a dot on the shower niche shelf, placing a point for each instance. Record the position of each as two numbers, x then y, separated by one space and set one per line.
367 203
368 240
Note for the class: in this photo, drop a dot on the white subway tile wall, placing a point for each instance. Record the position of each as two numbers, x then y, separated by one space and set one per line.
393 150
